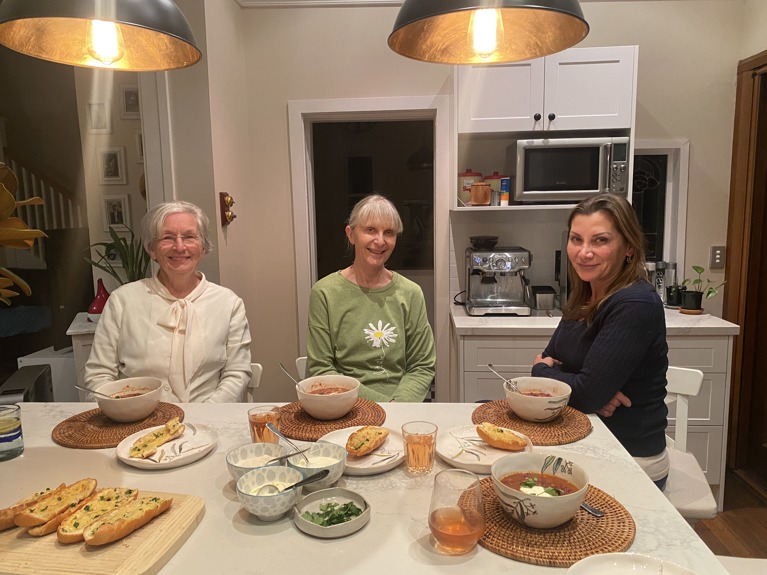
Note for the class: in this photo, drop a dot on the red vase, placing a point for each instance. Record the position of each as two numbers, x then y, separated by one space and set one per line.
97 305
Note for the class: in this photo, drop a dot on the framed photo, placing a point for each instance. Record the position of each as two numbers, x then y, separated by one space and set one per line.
111 166
130 109
99 117
139 147
116 212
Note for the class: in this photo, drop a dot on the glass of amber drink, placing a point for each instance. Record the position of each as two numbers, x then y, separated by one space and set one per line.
420 438
456 513
258 417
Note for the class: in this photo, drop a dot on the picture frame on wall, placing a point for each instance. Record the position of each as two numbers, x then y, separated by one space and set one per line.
139 147
130 107
111 166
99 117
116 212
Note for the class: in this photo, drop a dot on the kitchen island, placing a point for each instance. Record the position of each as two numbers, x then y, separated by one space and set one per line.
511 344
397 539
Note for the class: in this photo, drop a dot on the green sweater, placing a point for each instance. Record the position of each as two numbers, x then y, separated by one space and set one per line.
380 336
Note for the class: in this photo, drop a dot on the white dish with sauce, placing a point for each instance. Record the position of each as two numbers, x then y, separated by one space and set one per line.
243 458
388 456
321 456
195 443
134 405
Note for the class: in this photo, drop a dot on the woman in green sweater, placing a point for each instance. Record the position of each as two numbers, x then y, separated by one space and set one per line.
368 322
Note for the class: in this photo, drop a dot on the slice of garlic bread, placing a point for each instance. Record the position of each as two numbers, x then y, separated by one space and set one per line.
49 506
125 520
366 440
6 515
147 445
100 503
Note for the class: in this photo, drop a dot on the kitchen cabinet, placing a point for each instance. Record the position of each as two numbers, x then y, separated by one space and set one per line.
511 343
577 89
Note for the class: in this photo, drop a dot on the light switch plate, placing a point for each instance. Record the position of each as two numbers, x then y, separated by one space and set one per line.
716 259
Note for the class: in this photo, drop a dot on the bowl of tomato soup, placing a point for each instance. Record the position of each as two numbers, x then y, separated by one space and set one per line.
327 396
539 399
539 490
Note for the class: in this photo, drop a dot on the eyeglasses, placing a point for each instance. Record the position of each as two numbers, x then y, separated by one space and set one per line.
187 240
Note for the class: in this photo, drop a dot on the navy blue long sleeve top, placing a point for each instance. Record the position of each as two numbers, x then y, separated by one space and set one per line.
623 349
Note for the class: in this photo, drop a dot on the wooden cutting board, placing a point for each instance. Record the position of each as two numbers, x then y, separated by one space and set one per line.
144 551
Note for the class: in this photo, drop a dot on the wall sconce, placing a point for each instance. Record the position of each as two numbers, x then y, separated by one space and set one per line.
131 35
226 202
486 31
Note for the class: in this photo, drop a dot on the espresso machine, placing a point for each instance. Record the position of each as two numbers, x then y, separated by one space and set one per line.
495 281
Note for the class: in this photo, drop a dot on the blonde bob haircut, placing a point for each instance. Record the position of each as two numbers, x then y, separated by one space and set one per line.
153 220
377 209
623 217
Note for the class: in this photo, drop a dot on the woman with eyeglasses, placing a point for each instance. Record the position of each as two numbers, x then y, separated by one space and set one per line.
177 326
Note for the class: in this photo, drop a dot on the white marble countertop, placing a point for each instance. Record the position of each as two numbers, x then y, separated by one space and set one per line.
541 325
81 325
396 540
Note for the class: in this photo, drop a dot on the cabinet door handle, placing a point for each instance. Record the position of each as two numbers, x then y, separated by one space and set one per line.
537 117
552 116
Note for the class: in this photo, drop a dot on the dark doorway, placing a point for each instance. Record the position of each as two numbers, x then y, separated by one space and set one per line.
354 159
649 200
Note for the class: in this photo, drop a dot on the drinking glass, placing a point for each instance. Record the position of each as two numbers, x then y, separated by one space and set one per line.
258 417
456 513
11 439
420 439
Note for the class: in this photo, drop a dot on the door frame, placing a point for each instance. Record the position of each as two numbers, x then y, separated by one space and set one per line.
741 226
301 115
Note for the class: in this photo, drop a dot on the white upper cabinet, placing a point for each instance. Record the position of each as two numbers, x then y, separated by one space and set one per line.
578 89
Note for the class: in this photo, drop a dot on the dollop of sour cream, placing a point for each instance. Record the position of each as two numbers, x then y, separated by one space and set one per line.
278 484
315 461
536 490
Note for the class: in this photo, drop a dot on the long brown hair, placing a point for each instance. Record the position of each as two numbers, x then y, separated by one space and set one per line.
622 215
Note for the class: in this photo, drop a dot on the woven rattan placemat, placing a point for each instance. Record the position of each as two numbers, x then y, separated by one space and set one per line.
94 430
297 424
571 425
582 536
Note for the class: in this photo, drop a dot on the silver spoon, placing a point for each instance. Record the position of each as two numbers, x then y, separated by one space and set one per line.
593 510
288 374
271 427
94 392
512 385
271 489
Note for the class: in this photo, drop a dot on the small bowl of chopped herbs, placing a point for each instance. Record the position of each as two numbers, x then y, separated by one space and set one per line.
331 513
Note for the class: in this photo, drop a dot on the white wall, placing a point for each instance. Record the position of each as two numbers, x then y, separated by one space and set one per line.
754 28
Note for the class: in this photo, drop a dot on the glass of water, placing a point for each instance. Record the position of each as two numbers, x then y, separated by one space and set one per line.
11 440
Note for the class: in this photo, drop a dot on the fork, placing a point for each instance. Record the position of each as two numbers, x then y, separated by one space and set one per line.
387 455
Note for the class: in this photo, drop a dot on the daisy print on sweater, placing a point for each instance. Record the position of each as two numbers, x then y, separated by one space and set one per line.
380 337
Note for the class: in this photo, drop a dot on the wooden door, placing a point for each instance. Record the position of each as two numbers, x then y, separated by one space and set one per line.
746 271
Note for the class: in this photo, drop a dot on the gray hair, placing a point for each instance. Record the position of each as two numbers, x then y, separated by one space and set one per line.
151 223
376 208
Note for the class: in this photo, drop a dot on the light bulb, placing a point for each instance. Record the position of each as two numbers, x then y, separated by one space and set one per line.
485 31
105 42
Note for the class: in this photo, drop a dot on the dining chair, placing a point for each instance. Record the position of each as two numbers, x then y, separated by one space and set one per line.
255 380
686 488
301 367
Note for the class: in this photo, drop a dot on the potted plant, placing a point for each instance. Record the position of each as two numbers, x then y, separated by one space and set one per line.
692 298
133 258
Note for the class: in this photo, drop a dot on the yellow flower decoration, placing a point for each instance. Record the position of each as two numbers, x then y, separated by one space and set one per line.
14 233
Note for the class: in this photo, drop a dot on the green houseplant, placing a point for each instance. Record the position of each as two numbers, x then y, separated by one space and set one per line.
133 258
692 297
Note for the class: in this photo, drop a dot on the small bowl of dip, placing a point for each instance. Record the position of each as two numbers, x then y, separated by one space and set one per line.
321 456
269 507
248 456
327 396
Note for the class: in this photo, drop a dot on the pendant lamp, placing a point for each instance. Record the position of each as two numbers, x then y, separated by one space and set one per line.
130 35
486 31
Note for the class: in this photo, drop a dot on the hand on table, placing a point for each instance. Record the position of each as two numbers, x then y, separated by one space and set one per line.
614 404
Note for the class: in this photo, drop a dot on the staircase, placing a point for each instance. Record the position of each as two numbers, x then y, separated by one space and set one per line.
62 209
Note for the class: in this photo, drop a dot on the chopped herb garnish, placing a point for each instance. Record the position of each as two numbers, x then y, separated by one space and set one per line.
333 514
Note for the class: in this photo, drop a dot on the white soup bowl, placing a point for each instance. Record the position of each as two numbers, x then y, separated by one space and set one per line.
134 408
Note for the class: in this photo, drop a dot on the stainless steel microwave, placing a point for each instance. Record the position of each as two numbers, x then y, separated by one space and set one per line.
571 169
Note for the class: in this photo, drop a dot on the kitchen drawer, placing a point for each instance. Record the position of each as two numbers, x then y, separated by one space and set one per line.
485 385
708 407
705 443
510 354
704 353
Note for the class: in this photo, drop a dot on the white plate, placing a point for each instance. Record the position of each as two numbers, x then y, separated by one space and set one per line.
366 465
451 443
625 563
195 443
